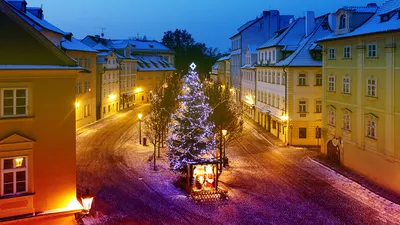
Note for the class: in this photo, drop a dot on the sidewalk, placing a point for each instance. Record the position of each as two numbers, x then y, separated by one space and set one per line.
366 183
263 132
361 180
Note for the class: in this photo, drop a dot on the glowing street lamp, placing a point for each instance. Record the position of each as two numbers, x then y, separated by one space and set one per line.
140 116
77 104
224 132
87 200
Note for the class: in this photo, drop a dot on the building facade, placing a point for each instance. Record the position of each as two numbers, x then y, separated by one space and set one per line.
224 71
150 64
84 56
361 70
254 32
248 83
289 81
37 120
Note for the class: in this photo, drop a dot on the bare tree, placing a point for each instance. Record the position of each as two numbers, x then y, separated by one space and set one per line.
153 122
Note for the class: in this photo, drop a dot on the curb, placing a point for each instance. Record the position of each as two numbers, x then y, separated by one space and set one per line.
355 180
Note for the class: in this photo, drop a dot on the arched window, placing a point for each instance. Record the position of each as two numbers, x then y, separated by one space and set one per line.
343 21
371 127
346 120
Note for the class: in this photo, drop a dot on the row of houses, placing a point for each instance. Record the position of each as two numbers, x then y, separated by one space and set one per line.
50 84
327 81
117 73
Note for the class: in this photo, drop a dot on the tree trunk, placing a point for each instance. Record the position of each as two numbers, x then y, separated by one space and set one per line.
155 149
159 139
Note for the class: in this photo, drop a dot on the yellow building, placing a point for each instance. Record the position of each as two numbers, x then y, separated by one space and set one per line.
289 81
151 62
84 56
108 76
224 71
37 126
361 70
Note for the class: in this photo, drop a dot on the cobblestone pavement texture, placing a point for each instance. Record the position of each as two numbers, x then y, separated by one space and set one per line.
266 183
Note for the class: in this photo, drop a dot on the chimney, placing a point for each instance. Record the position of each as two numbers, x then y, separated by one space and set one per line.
332 21
36 11
21 5
310 22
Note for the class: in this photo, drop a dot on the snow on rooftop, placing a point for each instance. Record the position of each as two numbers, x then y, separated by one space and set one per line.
153 63
374 24
75 45
39 67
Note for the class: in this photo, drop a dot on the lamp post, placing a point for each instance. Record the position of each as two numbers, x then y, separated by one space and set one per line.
140 115
224 135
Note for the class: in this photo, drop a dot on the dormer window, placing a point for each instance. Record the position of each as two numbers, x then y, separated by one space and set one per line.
342 24
384 17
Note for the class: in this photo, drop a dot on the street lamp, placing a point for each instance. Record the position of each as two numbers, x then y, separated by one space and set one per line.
140 115
224 134
87 200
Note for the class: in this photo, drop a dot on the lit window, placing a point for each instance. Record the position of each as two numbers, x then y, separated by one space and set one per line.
14 102
331 83
371 127
346 85
347 52
302 80
302 106
277 101
86 87
372 51
346 120
318 106
371 87
278 78
332 53
14 176
331 117
78 87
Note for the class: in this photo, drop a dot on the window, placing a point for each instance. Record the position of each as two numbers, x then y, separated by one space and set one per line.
342 24
277 102
318 80
372 51
302 132
371 87
273 77
346 120
331 83
87 86
278 78
302 106
331 54
347 52
283 103
273 124
269 99
14 102
318 106
79 87
346 85
14 175
331 117
269 77
302 80
273 100
371 127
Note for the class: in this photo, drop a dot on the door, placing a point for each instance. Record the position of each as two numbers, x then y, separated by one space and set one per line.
333 152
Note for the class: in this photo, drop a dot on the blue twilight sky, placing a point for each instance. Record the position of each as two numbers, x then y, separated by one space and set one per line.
209 21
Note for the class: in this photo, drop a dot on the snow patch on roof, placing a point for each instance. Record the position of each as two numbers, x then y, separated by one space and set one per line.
75 45
374 24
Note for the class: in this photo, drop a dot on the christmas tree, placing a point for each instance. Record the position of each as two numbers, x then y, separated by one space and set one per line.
191 138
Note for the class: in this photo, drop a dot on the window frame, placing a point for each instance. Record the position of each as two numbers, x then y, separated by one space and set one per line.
332 83
302 132
346 120
318 106
302 106
369 127
369 51
14 106
346 85
14 171
372 89
302 77
332 117
318 77
347 55
331 53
